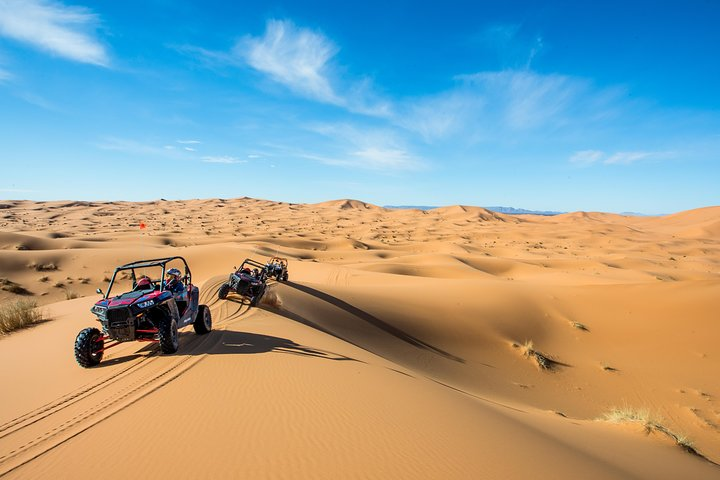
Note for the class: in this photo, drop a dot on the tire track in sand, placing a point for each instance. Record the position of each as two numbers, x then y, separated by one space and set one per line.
34 433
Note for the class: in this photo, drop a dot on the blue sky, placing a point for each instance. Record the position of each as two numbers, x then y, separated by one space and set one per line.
554 106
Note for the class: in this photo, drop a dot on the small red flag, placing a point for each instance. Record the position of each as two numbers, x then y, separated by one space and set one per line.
142 225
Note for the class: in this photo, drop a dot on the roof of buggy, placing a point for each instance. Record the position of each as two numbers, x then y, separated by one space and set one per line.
156 262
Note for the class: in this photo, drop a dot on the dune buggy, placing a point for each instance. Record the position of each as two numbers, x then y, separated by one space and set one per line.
152 311
277 267
248 281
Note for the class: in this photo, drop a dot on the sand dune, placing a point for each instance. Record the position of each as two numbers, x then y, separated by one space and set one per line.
400 347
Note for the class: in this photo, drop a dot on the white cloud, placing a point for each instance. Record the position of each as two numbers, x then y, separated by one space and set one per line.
508 107
626 158
4 75
131 146
222 159
296 57
385 159
53 27
189 142
587 157
254 155
189 149
590 157
524 99
373 149
302 60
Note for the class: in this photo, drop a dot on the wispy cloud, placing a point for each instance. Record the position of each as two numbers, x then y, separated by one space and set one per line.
625 158
188 149
303 60
207 58
586 157
135 147
500 106
513 46
189 142
51 26
296 57
373 149
222 159
372 159
590 157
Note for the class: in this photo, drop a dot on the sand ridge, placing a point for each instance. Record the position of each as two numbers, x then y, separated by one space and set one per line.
396 350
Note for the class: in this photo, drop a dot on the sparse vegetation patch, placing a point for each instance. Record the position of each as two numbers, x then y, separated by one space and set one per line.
19 314
650 424
542 360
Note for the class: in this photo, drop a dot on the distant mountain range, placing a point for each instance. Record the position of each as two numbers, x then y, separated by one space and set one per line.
519 211
505 210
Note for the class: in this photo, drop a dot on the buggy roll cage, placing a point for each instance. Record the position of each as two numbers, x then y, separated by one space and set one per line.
252 262
156 262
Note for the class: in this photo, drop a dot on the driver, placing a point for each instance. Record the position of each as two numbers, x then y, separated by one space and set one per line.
173 282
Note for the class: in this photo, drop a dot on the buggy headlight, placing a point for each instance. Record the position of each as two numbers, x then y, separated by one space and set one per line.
146 303
98 310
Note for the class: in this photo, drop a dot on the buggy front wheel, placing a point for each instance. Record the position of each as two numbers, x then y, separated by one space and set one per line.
89 347
168 335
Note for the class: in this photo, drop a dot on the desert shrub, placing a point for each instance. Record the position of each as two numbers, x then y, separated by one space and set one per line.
542 360
19 314
46 267
649 423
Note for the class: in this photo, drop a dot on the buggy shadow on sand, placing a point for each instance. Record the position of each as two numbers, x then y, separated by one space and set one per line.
152 311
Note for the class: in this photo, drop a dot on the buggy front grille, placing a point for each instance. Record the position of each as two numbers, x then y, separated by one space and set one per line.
119 318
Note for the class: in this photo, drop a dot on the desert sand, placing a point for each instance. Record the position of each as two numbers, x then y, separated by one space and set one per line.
399 348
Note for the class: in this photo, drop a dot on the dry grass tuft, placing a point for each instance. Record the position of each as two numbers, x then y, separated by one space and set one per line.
69 295
608 368
19 314
650 424
46 267
580 326
542 360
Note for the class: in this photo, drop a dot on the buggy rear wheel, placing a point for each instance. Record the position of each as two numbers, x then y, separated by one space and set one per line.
223 291
168 335
89 347
285 277
203 320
